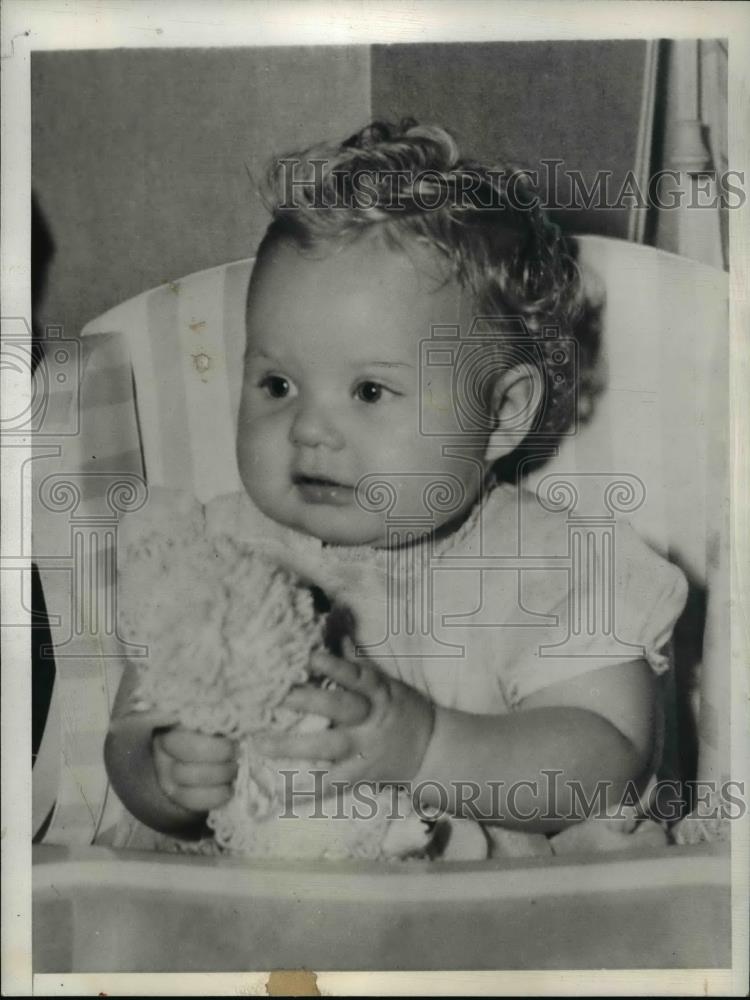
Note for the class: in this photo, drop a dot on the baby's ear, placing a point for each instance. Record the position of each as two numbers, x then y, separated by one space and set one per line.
515 399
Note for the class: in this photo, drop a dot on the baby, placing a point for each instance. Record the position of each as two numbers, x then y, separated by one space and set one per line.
405 318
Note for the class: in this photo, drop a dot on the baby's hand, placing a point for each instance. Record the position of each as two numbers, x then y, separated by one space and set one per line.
194 770
380 726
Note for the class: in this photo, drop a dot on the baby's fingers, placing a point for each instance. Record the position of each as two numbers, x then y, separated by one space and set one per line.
359 675
190 747
329 744
203 775
197 787
200 799
342 707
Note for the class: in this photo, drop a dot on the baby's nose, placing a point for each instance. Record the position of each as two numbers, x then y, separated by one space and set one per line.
314 426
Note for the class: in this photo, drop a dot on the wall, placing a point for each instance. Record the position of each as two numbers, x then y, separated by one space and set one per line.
141 157
522 102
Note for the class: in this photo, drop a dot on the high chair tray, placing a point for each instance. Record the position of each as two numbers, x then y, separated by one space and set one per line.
102 910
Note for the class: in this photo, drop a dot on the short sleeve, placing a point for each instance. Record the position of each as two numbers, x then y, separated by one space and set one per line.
619 602
654 593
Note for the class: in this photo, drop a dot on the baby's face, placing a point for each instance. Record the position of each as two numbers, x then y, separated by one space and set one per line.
331 388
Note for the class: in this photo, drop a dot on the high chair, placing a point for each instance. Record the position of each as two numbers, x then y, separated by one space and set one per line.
154 399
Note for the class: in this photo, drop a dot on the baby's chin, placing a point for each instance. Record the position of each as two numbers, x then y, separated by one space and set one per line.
372 535
329 525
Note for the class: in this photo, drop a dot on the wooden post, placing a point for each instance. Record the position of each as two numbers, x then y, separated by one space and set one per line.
689 210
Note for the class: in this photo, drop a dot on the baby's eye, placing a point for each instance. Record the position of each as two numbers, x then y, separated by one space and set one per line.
276 386
369 392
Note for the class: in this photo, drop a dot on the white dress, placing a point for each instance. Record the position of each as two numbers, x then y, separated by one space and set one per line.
518 598
500 608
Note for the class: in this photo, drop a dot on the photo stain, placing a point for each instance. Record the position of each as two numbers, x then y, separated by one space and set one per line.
201 363
292 983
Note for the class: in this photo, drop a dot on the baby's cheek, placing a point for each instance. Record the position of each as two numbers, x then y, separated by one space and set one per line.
260 438
255 461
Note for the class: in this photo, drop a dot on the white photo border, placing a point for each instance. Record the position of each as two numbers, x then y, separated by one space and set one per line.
36 25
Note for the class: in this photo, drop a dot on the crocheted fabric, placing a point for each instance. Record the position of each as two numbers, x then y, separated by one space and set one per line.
229 632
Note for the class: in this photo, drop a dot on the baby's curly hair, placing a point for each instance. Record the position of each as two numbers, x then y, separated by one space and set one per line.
411 181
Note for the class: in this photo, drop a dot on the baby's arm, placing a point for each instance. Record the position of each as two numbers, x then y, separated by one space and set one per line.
596 727
168 777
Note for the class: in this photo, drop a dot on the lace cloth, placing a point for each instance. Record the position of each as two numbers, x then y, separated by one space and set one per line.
229 632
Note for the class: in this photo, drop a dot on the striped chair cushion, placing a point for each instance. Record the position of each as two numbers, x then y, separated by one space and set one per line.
82 481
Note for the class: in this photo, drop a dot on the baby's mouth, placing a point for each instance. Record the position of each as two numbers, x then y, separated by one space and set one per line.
321 490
